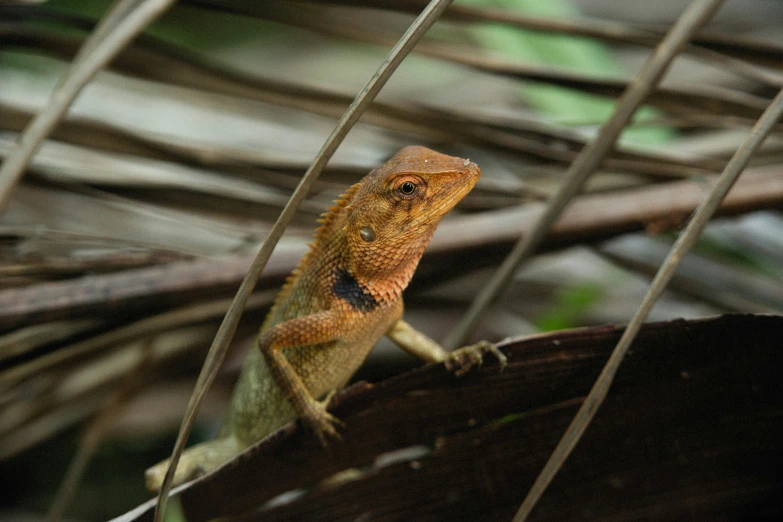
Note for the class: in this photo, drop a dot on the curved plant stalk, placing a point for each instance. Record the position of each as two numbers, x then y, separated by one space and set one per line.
589 159
678 252
124 21
218 349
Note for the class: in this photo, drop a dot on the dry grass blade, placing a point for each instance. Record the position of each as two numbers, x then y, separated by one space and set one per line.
193 71
735 290
148 326
678 100
227 328
739 46
24 340
67 395
107 42
67 266
588 217
590 158
700 99
63 163
684 243
162 229
94 433
154 59
108 24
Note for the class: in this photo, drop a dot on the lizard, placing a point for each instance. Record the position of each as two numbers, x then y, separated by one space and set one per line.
345 294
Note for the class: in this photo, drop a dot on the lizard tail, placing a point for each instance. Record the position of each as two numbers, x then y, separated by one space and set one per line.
194 462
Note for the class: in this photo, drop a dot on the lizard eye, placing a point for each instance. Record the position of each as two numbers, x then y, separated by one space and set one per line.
409 187
406 189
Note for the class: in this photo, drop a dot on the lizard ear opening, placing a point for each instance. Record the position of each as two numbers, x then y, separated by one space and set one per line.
367 234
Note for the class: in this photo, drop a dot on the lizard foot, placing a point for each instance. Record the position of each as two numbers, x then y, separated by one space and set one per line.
464 359
323 423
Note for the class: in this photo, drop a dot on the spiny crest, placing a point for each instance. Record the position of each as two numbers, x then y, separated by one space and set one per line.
328 217
325 221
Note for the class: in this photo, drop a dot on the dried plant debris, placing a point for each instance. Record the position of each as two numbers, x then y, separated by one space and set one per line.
140 213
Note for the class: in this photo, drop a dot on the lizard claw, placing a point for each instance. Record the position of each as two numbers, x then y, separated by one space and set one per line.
464 359
323 423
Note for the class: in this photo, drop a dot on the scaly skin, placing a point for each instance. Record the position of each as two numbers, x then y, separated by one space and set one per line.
344 296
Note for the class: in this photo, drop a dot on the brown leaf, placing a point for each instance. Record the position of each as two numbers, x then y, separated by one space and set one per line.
690 428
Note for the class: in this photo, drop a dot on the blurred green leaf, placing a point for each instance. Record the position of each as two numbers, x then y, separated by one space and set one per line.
577 54
570 304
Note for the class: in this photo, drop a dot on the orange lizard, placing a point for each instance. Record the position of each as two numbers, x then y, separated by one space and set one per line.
344 296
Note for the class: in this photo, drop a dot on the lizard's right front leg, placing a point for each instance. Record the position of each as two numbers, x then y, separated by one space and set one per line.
308 330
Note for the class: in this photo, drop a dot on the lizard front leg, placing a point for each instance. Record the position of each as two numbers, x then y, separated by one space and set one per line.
308 330
459 361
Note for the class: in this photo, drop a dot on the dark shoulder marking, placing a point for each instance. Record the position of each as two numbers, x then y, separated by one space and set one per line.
346 287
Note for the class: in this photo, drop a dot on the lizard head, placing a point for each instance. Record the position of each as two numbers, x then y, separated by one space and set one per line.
396 208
